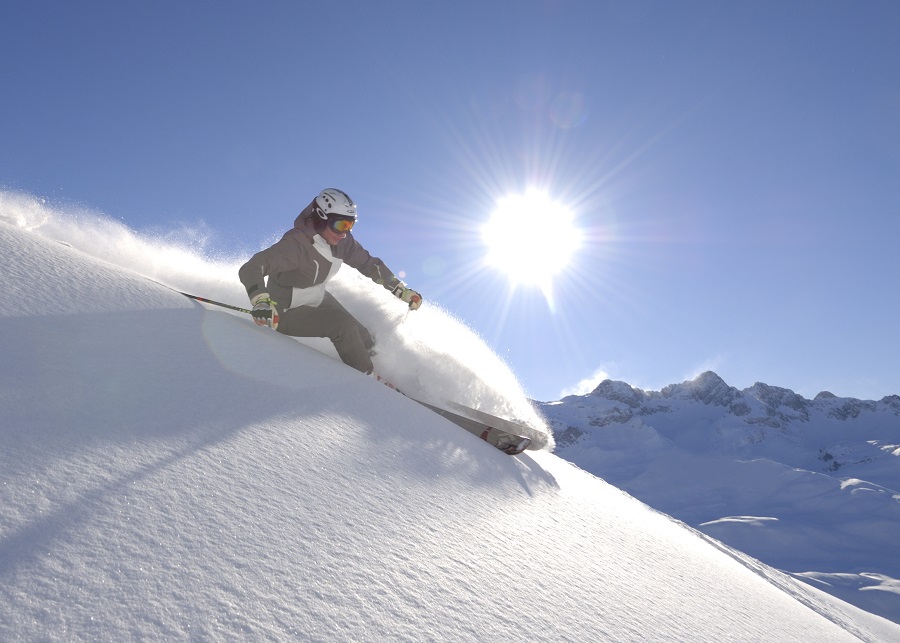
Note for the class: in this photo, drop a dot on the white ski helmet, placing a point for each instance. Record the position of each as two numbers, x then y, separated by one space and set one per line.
334 202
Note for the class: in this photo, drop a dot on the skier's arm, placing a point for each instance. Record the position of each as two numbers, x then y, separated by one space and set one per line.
375 269
281 257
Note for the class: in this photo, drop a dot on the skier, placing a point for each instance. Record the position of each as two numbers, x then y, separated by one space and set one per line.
299 267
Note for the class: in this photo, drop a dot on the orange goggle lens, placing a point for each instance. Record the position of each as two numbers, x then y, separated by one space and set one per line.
341 225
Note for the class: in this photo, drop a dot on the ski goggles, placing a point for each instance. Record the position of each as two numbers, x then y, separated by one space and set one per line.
341 224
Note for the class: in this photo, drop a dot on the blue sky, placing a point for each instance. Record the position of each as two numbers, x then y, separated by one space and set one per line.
733 169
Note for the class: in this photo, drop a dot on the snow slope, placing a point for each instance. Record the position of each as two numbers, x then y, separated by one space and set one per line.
173 472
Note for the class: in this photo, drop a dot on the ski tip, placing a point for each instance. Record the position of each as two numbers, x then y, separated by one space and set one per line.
516 449
509 443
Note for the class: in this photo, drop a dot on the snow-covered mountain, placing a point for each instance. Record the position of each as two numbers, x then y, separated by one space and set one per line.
809 486
170 471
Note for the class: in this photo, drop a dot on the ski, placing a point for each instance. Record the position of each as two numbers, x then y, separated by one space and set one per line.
509 426
503 434
487 427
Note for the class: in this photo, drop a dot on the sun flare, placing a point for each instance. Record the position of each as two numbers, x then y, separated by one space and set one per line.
530 238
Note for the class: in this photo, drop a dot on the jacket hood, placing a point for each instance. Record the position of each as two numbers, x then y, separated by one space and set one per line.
306 217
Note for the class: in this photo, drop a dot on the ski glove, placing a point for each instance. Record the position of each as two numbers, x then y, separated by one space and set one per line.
264 311
408 295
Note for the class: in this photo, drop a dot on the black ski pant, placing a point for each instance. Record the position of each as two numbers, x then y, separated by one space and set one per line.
329 319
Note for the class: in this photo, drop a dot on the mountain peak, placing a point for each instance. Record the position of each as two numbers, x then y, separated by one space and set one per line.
619 392
776 398
707 387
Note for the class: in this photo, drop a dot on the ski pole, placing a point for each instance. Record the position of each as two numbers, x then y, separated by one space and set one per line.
216 303
263 314
256 314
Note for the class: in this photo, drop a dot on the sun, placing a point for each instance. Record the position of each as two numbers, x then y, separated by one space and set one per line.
530 238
